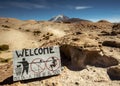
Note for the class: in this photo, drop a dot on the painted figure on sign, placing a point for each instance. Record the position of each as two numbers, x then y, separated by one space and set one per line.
54 63
25 65
18 70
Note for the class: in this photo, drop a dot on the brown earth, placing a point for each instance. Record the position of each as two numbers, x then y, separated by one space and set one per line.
90 52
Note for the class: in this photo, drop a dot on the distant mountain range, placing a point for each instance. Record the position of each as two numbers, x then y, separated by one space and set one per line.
59 18
65 19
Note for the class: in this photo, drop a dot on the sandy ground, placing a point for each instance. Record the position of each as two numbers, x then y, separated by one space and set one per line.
20 34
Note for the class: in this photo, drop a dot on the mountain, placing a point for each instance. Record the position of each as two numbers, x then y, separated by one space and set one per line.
65 19
59 18
73 20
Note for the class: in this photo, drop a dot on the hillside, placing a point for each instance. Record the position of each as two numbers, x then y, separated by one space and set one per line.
90 51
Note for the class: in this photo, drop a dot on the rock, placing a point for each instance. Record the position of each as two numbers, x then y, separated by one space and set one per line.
97 59
114 33
105 33
114 72
84 51
116 29
115 44
80 57
76 83
76 55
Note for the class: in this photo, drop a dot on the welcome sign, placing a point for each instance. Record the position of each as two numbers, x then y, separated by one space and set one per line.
35 63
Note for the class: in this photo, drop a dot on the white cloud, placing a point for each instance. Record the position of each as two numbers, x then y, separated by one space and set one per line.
117 19
82 7
27 5
110 19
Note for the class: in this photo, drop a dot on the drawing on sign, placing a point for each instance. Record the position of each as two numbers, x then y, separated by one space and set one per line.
25 66
18 70
37 65
53 63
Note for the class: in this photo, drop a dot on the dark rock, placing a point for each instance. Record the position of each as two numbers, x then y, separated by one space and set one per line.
76 83
114 72
111 44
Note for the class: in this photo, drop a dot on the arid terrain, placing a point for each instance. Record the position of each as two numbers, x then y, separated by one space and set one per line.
90 51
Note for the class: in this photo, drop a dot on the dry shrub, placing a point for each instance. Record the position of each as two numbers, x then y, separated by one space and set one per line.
48 33
75 39
5 26
37 32
19 28
4 47
46 37
78 33
2 60
27 30
51 34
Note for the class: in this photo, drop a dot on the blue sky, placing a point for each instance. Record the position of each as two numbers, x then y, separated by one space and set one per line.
45 9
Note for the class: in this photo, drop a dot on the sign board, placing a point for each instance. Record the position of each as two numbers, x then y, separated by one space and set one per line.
35 63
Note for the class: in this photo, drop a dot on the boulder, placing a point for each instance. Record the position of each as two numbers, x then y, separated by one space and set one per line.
115 44
114 72
82 57
77 56
116 28
99 59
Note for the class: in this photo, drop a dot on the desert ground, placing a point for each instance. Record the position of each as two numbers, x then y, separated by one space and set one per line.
90 51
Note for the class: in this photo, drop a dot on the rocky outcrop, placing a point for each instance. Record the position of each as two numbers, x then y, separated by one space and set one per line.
105 33
116 29
76 56
98 59
82 52
115 44
82 57
114 72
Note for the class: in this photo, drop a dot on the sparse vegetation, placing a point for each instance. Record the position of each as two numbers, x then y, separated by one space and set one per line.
105 33
6 21
27 30
51 34
36 32
114 33
78 33
48 33
5 26
4 47
46 37
75 39
2 60
19 28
